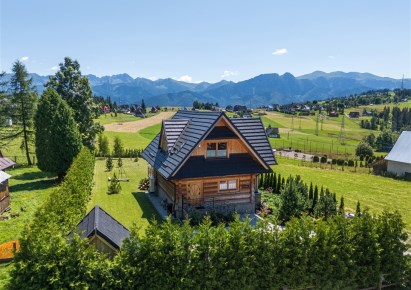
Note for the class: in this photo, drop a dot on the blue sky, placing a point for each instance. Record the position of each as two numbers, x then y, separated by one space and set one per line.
208 40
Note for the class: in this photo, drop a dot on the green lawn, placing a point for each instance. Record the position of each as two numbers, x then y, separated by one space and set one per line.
29 188
129 207
375 192
137 140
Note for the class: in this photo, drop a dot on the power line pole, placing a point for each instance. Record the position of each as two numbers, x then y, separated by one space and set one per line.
292 122
300 123
316 124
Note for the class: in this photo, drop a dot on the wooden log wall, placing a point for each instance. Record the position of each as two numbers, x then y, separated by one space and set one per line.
166 186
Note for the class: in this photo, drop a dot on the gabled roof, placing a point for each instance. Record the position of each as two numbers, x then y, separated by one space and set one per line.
173 129
200 126
4 176
6 163
401 152
99 222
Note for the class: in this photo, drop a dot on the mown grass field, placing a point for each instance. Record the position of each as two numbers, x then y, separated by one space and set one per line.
131 206
105 119
299 133
29 188
375 192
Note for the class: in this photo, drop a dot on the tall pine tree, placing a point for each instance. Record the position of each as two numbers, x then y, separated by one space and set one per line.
21 108
75 90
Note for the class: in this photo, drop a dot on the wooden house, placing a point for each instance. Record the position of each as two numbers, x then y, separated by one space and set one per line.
354 114
4 182
208 162
103 231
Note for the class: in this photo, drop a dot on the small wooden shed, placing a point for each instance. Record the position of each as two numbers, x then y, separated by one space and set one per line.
103 231
4 182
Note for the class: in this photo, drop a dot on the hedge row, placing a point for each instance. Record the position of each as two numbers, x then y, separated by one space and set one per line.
45 259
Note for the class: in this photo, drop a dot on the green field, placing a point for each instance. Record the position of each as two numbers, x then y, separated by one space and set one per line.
137 140
29 188
129 207
105 119
375 192
299 133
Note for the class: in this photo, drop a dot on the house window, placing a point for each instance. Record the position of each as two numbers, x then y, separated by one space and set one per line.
217 150
223 185
211 149
232 184
228 184
222 150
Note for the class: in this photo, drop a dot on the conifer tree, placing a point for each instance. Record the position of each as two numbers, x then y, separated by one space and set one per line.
21 108
341 208
358 210
315 199
75 89
311 192
58 140
261 180
274 183
109 163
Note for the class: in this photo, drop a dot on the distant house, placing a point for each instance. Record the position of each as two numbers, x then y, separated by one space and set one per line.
103 231
207 162
354 114
272 132
153 110
399 158
5 163
333 114
367 113
140 112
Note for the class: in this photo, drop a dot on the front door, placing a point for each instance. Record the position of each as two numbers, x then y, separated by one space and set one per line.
195 193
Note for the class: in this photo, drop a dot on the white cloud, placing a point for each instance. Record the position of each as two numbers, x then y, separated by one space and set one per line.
280 51
229 73
153 78
24 58
185 78
331 57
54 67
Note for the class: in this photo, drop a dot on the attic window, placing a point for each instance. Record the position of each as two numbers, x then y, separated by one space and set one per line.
217 150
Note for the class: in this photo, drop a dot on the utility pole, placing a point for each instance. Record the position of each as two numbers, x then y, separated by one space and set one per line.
316 124
292 122
300 123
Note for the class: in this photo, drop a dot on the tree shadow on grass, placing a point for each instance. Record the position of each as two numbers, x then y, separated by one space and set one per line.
149 212
32 175
34 185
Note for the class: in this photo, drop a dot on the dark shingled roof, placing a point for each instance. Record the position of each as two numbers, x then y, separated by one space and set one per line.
199 127
173 129
6 163
98 222
236 164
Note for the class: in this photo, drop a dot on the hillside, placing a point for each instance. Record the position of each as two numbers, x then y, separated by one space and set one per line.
260 90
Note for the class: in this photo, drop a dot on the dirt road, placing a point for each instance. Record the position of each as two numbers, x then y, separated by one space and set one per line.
136 126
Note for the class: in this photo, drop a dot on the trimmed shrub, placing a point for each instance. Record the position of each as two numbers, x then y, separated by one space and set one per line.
316 158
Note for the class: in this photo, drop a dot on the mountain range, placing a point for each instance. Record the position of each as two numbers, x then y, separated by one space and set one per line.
260 90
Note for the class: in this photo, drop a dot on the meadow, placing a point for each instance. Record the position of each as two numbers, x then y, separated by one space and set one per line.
374 192
299 133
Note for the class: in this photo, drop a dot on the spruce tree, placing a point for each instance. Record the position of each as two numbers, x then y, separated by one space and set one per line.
21 107
315 199
103 147
109 163
75 89
118 148
58 140
274 183
261 181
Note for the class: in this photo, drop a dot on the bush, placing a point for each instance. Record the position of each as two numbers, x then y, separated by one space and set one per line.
323 159
316 158
340 162
364 149
350 163
334 161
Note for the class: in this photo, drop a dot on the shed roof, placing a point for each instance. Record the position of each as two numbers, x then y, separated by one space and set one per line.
401 152
199 127
99 222
4 176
